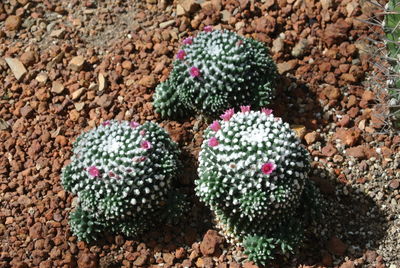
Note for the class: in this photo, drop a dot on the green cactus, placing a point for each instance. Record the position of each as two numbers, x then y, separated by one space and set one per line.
122 173
253 174
214 71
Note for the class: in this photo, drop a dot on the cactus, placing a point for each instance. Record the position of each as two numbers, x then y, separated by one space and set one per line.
215 71
391 27
122 173
253 175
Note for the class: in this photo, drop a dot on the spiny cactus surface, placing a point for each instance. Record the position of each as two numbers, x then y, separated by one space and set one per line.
253 175
214 71
122 173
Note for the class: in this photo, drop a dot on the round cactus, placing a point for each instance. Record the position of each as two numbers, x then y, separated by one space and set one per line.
215 71
253 175
122 173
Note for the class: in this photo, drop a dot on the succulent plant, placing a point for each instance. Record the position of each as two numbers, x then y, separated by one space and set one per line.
215 71
122 173
253 175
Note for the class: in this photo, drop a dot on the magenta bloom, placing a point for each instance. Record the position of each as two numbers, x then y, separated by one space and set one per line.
145 145
245 108
268 168
208 28
142 132
134 124
212 142
266 111
181 54
188 41
106 123
194 71
138 159
215 126
228 114
93 171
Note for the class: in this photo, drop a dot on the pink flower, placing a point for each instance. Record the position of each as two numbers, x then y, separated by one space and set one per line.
208 28
93 171
239 43
266 111
212 142
181 54
138 159
194 71
215 126
228 114
268 168
134 124
142 132
145 145
188 41
106 123
245 108
111 174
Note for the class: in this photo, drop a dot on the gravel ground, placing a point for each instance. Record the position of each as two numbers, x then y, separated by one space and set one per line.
66 66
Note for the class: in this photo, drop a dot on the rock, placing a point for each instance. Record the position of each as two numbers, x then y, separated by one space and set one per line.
328 150
347 264
348 137
357 152
286 66
311 137
3 124
165 24
180 11
87 260
299 48
16 67
336 246
326 4
26 111
24 201
35 231
141 260
42 78
250 264
79 106
57 33
77 63
300 130
104 101
77 93
277 45
13 23
394 184
226 15
168 258
102 82
189 6
210 243
368 95
57 87
148 81
74 115
331 92
28 58
180 253
337 32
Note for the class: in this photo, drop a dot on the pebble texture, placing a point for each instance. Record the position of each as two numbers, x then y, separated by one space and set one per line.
126 54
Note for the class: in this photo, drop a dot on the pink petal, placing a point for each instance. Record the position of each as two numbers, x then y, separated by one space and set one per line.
106 123
239 43
208 28
181 54
228 114
134 124
215 126
266 111
188 41
212 142
145 145
93 171
246 108
268 168
194 71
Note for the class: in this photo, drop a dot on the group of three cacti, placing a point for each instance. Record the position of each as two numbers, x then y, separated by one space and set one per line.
252 170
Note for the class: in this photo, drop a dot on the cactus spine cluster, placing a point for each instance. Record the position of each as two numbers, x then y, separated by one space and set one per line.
122 173
253 175
215 71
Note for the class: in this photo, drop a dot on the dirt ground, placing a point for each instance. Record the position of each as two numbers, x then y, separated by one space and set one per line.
68 65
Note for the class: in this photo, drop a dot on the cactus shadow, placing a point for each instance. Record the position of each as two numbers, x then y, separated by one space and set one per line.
350 215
